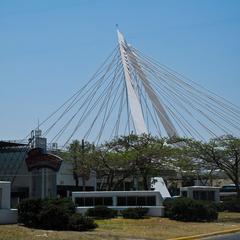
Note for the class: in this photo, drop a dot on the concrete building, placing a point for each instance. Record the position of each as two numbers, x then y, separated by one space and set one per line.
36 172
204 193
120 200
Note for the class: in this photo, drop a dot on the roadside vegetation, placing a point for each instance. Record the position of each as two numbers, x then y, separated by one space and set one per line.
53 214
140 157
119 228
144 157
189 210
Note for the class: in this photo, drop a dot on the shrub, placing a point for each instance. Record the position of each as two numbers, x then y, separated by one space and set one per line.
65 204
54 214
232 205
77 222
28 212
101 212
54 217
134 213
229 204
168 202
219 206
186 209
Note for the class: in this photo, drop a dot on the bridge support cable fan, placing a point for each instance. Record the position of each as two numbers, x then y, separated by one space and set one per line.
133 93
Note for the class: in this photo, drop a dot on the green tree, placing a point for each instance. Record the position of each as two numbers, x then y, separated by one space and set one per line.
186 162
80 155
222 153
141 156
112 165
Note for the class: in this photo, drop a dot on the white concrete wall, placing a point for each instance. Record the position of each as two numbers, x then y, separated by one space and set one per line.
191 189
8 216
157 210
5 195
114 194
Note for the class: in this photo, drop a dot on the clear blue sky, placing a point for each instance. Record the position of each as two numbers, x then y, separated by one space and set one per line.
50 48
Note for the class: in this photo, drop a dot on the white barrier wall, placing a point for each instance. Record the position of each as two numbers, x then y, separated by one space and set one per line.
5 195
120 200
206 193
7 215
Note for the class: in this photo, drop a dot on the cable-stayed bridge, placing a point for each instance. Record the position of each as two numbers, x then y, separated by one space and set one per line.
133 93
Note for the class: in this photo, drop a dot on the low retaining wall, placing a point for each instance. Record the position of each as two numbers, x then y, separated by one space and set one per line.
8 216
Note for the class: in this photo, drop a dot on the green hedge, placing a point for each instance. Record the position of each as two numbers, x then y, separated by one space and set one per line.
231 205
186 209
28 212
101 212
78 222
134 213
168 202
53 217
54 214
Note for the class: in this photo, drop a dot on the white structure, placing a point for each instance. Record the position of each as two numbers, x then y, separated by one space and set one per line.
135 105
129 61
7 215
120 200
159 185
205 193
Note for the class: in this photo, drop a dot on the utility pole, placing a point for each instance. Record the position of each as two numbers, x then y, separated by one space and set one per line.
83 161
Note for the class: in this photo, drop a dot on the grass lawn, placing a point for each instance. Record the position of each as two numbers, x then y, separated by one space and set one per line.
152 228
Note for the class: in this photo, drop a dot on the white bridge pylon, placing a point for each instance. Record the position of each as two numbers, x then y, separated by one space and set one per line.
128 58
133 93
135 107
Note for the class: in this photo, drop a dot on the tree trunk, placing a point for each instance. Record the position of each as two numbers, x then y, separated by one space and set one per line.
75 176
145 183
84 183
110 182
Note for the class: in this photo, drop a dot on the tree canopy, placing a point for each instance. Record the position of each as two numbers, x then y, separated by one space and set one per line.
146 157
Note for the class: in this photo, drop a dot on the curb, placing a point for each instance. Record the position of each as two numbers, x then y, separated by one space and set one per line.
207 234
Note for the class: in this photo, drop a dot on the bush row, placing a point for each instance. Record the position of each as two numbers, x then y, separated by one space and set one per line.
186 209
59 214
134 213
102 212
230 205
54 214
